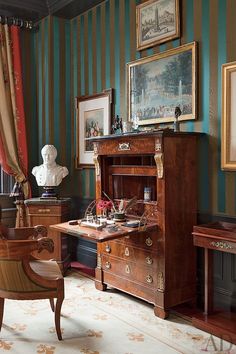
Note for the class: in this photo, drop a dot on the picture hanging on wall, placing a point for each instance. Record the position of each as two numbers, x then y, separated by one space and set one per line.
157 21
228 127
161 82
93 119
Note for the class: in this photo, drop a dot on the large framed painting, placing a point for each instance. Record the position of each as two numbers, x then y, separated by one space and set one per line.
161 82
93 118
228 127
157 21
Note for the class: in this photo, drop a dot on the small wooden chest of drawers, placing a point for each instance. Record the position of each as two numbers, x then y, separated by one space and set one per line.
47 212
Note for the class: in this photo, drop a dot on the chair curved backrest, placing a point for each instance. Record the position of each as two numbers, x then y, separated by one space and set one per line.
23 277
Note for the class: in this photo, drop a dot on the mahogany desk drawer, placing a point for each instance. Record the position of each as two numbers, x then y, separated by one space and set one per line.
129 253
214 244
130 270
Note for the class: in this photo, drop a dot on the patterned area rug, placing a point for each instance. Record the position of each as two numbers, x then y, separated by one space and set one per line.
95 322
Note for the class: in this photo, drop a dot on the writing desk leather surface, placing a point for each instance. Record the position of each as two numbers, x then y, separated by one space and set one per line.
100 235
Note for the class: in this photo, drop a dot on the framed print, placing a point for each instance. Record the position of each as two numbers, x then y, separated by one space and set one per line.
157 21
93 118
161 82
228 127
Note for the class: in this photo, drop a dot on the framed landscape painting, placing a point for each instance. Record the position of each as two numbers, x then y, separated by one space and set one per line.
93 119
161 82
228 128
157 21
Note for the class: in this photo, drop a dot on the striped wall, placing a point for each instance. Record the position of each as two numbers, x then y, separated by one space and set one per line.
66 58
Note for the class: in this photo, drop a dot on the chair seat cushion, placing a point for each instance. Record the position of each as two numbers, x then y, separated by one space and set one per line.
46 269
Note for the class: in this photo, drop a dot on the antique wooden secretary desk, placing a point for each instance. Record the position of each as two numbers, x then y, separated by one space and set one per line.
156 264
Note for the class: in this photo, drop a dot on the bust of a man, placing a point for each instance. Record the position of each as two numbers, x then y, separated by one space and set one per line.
49 174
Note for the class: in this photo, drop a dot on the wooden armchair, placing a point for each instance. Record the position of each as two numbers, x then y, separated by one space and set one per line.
22 276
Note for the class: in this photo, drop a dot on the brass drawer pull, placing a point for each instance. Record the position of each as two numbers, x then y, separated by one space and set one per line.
222 245
149 241
108 265
124 146
44 211
126 252
108 248
149 279
127 269
149 260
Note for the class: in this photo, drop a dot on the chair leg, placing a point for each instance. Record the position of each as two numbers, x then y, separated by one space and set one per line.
52 304
58 317
1 311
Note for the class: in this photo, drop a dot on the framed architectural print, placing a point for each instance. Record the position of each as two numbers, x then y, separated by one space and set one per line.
228 127
93 118
161 82
157 21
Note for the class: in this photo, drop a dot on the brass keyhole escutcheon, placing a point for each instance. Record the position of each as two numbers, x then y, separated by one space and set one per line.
108 248
108 265
126 252
149 279
149 260
127 269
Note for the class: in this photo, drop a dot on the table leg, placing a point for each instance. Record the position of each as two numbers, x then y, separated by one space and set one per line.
208 283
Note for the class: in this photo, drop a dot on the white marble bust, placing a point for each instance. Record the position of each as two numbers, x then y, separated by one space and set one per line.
49 174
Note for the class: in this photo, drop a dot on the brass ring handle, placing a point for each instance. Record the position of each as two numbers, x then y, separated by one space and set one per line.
108 265
149 279
149 260
108 248
149 242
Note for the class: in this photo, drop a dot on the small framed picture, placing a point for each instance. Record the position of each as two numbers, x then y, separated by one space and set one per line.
93 119
157 21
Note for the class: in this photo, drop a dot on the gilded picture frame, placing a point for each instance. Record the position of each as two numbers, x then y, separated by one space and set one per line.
157 21
228 126
157 84
93 118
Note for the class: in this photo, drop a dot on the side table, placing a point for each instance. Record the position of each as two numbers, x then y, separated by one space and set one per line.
220 236
47 212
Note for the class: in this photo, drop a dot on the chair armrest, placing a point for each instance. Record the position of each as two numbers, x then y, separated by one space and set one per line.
45 243
24 233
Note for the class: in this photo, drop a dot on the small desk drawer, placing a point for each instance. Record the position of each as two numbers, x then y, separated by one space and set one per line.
214 244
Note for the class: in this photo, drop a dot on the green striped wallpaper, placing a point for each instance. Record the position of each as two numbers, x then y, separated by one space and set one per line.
90 52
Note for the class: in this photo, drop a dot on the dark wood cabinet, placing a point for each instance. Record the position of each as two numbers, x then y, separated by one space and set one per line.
156 265
47 212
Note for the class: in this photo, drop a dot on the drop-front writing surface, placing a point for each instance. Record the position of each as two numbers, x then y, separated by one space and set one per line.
158 265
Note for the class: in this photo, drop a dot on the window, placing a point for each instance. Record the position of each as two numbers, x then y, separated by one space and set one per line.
6 182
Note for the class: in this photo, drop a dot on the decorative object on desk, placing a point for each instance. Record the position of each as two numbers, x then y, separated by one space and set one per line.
105 206
93 118
49 174
117 126
120 208
157 22
158 83
228 148
18 194
177 115
127 127
147 194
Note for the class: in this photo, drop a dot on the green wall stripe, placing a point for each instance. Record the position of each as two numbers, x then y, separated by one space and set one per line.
127 31
40 90
205 90
90 53
46 79
56 73
103 45
98 51
107 41
51 80
82 63
221 60
92 184
68 91
189 38
117 57
74 75
34 121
